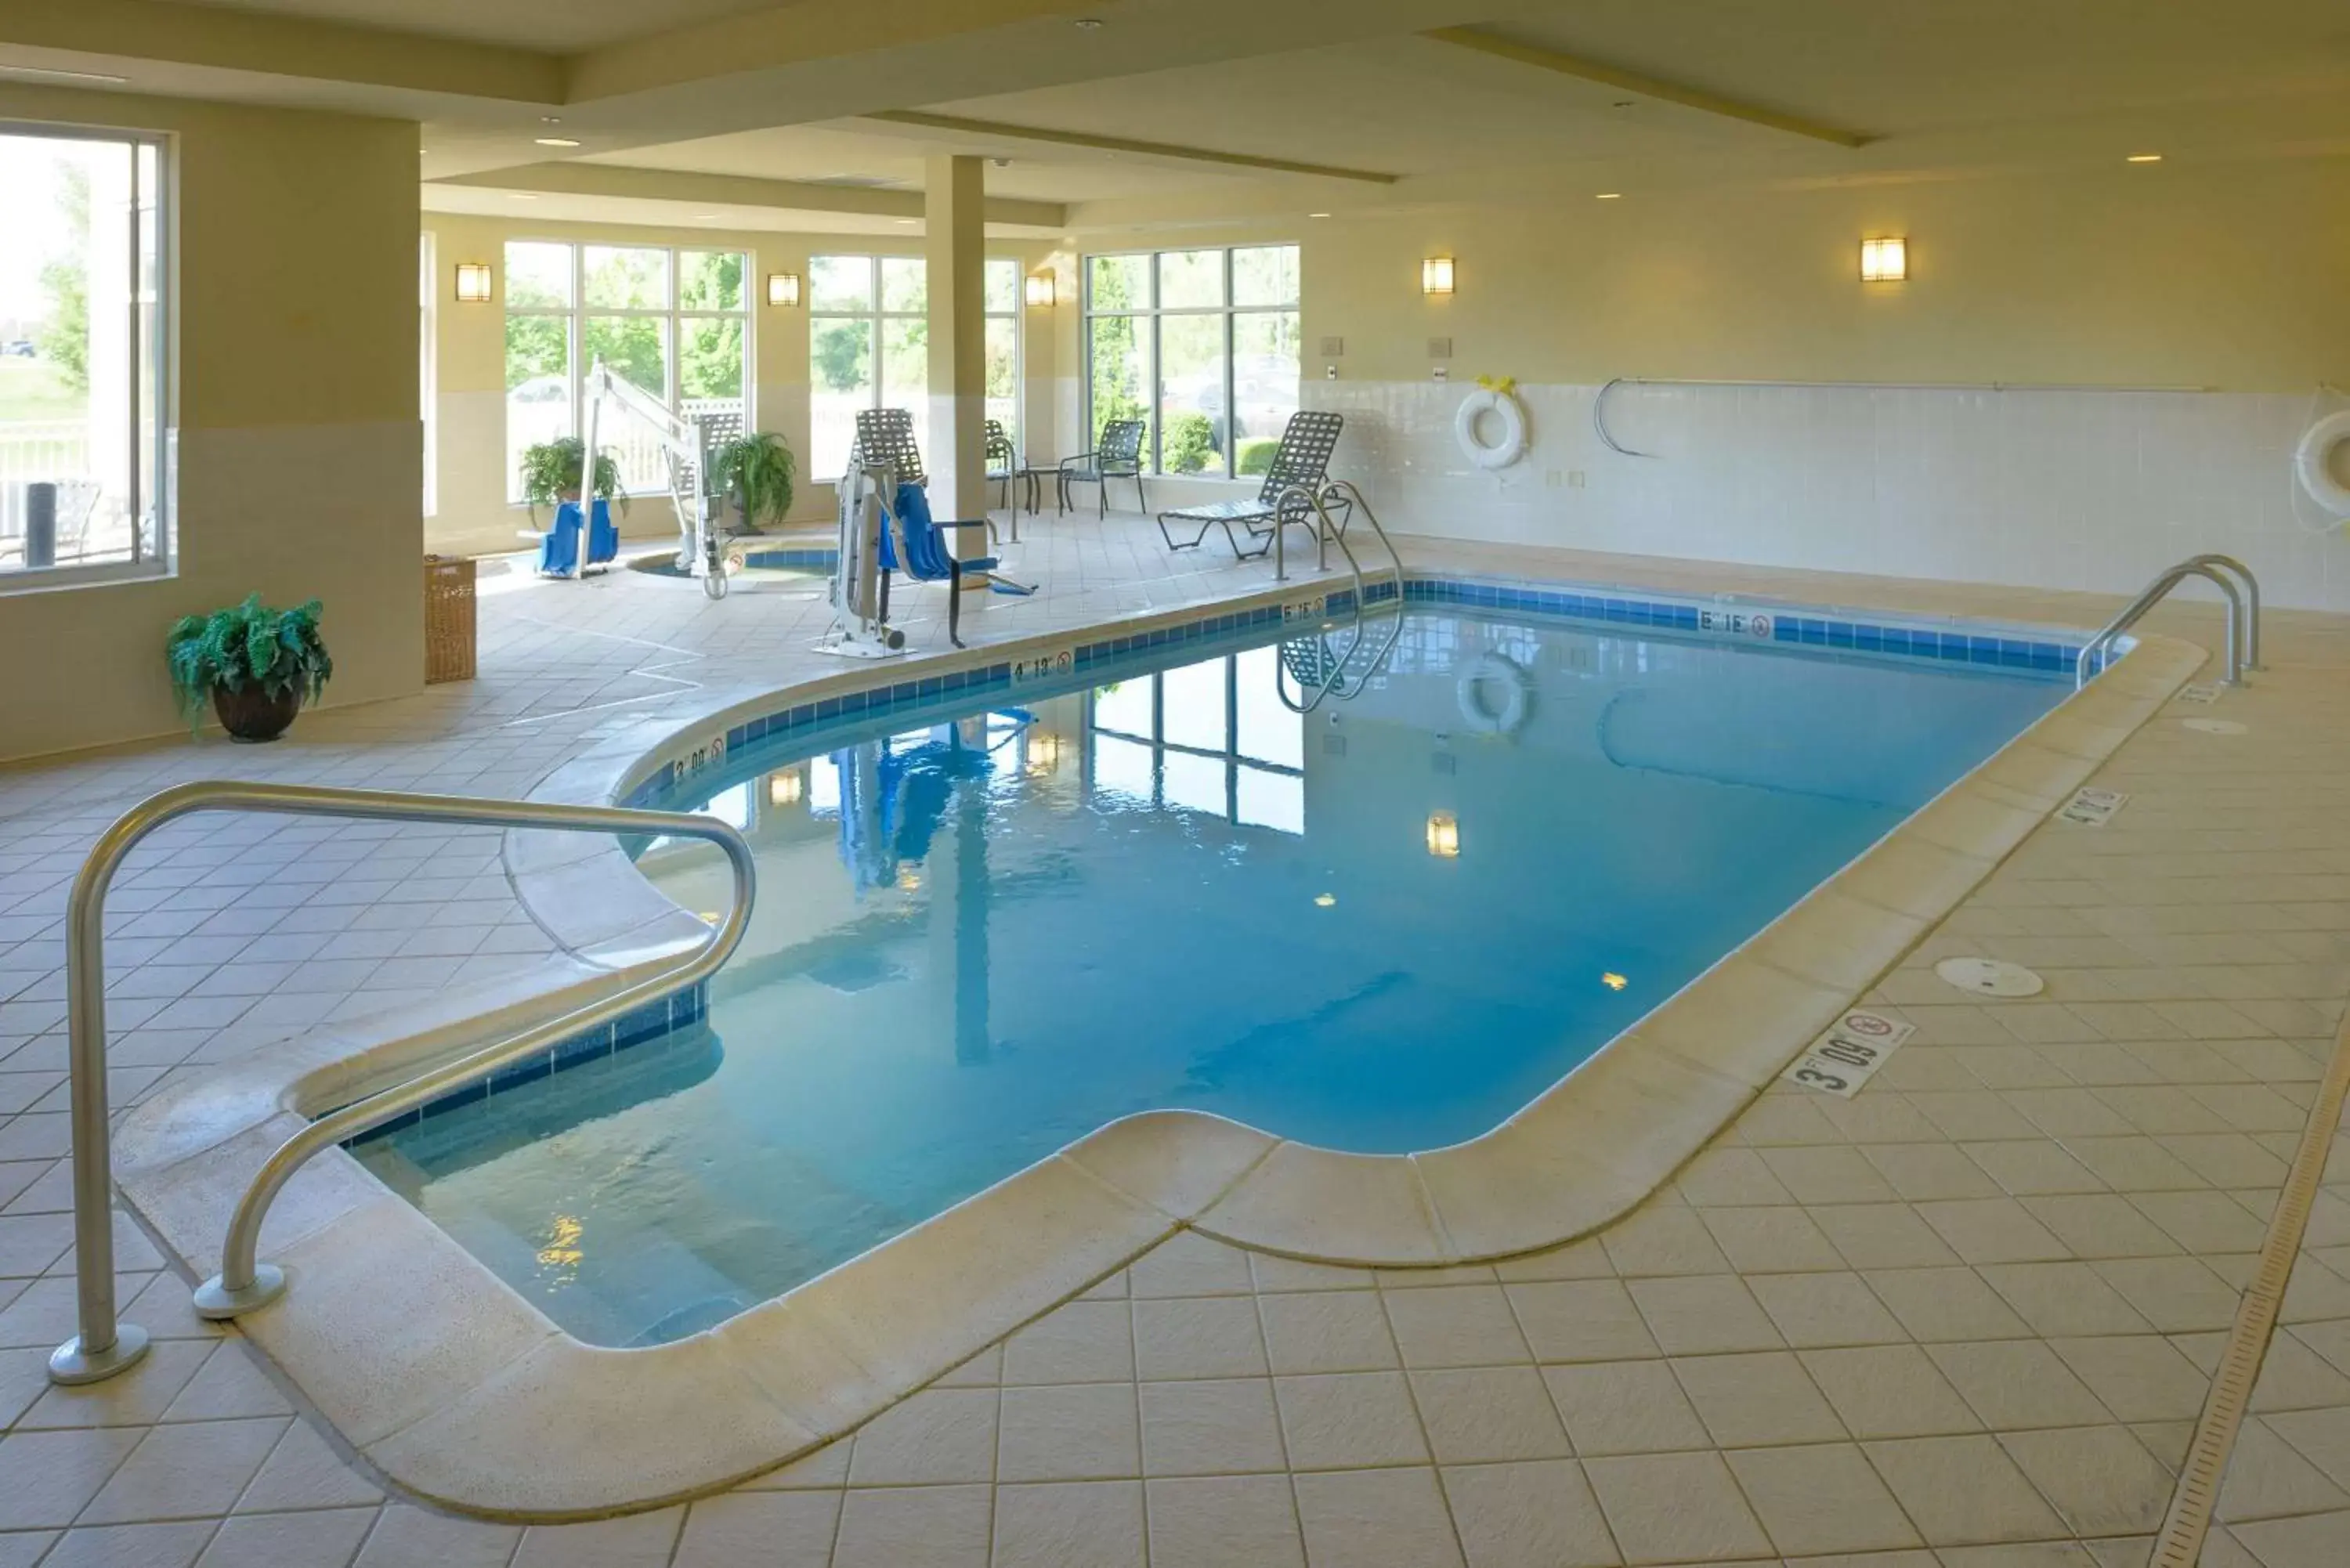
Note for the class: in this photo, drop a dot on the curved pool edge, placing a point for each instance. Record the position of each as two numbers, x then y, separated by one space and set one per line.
460 1391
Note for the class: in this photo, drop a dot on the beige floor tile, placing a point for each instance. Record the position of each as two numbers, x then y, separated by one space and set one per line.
1771 1241
1727 1177
2100 1225
172 1545
2133 1163
1882 1236
1939 1304
1704 1315
2139 1377
230 1386
1073 1432
792 1529
2321 1437
2175 1295
1457 1326
1190 1265
1890 1391
2319 1541
1327 1331
2267 1478
1224 1521
1478 1415
1750 1400
2064 1299
2026 1167
1349 1420
1583 1260
138 1399
2294 1378
2203 1221
1198 1336
1083 1342
633 1541
1534 1515
1675 1508
1210 1428
1662 1240
1991 1230
1376 1519
1624 1407
1919 1172
1960 1491
2101 1479
1835 1173
1821 1500
409 1537
1827 1309
2018 1383
1077 1524
313 1538
915 1527
304 1471
1586 1320
939 1435
179 1470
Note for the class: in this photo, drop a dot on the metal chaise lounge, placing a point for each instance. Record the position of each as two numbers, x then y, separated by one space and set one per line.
1302 459
1118 455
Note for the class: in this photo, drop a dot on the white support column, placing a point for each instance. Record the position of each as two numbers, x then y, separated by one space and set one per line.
955 246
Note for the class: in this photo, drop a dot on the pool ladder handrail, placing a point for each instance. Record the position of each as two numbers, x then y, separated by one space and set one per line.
2244 629
1329 531
106 1345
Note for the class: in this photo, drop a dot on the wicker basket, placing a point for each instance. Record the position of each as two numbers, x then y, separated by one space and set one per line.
448 618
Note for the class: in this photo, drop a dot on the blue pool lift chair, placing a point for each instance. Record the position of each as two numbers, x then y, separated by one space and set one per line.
558 547
913 543
1303 458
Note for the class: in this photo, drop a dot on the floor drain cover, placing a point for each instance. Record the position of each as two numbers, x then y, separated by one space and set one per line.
2213 726
1990 977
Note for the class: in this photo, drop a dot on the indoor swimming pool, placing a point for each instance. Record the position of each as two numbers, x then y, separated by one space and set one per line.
987 927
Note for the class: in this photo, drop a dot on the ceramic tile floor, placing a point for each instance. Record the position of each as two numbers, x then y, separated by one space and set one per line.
1965 1319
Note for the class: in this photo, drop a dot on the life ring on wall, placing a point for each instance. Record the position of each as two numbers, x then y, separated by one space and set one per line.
1501 405
1517 689
2312 462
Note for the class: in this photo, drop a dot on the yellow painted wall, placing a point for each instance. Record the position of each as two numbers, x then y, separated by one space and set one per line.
297 411
2235 278
471 512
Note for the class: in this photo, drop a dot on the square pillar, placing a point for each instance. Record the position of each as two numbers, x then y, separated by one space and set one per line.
955 252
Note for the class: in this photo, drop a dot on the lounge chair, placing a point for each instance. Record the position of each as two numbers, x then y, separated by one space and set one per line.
1303 458
912 543
1001 461
1118 455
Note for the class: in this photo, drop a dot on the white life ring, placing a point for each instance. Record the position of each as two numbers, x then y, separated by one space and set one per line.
1502 405
1517 689
2312 462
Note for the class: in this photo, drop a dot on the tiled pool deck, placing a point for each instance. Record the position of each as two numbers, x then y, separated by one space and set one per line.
1965 1318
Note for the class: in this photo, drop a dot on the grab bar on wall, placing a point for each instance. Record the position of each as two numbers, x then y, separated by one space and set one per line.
2243 632
105 1345
1600 403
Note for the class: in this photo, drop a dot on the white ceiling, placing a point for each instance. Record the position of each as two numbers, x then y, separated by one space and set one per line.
555 27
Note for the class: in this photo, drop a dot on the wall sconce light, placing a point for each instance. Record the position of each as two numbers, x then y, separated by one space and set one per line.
1883 260
1443 835
474 285
1040 290
783 289
786 788
1436 275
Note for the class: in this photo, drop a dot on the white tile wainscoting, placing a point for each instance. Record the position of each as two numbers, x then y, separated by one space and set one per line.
2053 489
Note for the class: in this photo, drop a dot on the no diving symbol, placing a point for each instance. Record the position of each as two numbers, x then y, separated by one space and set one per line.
1867 1024
1759 625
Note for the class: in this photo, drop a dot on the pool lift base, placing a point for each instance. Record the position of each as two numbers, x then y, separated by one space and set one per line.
860 627
71 1365
215 1302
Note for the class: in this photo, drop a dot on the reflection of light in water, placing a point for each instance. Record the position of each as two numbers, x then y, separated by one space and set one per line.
1043 752
1443 834
1613 980
786 788
1324 900
562 1254
908 879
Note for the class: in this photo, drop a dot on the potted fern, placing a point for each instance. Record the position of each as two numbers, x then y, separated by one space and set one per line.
550 475
757 471
254 665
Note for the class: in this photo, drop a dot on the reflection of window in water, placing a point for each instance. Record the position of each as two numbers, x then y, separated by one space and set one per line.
824 787
732 806
1211 737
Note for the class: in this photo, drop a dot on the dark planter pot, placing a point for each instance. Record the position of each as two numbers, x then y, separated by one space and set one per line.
254 715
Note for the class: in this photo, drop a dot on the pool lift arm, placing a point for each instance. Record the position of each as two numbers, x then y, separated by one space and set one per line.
861 628
682 441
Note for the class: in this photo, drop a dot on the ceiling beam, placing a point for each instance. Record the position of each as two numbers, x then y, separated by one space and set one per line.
997 129
634 183
1488 42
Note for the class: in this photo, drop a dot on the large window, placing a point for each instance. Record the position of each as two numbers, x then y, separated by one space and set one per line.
84 379
674 322
1202 346
870 348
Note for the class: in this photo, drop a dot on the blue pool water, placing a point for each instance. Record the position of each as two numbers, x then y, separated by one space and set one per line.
1384 927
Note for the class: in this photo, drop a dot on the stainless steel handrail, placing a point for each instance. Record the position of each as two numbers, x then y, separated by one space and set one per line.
1326 532
105 1345
2093 651
2252 642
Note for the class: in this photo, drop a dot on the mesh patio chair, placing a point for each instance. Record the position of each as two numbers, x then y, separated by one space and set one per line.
1303 458
1118 455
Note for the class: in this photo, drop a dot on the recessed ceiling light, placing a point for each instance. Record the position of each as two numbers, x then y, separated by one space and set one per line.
550 119
47 73
556 141
906 221
1608 196
1624 103
521 196
2143 158
1087 24
1318 214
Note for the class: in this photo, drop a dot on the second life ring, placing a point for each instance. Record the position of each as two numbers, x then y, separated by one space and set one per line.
1502 405
1508 716
2313 461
